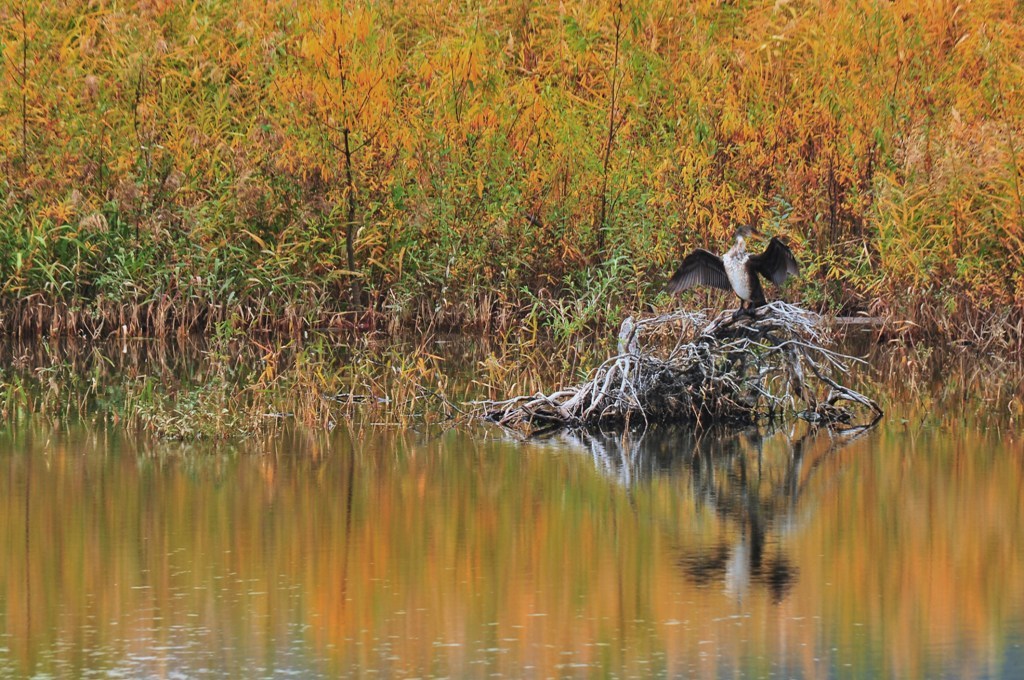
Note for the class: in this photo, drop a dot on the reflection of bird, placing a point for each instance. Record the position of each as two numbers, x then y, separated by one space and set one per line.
737 270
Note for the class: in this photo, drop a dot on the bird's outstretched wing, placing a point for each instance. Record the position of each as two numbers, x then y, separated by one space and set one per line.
776 263
699 268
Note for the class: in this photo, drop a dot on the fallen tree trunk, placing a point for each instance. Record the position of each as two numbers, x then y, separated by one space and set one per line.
683 367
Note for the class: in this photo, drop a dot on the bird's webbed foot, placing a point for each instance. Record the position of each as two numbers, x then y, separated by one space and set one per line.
745 309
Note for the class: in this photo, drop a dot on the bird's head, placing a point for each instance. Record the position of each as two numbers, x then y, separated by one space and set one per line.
745 231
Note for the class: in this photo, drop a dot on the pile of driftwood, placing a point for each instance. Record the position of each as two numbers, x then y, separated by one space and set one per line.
685 367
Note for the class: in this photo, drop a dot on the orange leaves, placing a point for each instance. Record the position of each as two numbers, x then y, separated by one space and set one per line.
345 68
313 47
331 30
841 124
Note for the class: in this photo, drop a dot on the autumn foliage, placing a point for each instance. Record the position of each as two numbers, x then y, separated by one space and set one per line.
172 164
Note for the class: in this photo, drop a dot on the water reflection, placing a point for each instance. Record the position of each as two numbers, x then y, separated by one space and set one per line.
729 475
431 553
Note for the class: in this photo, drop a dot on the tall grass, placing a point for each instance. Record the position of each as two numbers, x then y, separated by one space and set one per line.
282 165
230 387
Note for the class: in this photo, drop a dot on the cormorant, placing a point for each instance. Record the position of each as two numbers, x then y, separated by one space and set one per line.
737 270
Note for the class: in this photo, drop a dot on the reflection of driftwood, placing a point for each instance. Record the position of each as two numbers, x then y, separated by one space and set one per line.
681 367
754 481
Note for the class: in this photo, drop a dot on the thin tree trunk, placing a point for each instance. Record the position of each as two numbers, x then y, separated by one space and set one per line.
602 212
350 220
24 89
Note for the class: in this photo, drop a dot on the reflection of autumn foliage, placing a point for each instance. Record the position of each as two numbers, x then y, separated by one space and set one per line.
185 163
393 547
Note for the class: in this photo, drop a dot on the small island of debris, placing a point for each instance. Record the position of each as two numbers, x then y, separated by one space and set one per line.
687 367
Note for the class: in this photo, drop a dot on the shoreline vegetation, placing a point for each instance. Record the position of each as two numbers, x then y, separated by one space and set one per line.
275 166
232 387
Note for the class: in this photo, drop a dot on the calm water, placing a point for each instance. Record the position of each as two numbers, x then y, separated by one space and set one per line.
386 553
